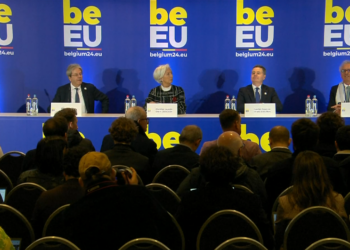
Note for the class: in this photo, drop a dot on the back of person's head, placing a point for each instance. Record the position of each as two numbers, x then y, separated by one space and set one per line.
49 155
95 166
232 141
228 117
305 134
190 134
135 113
123 130
279 134
218 165
68 113
342 138
329 123
311 184
56 126
71 161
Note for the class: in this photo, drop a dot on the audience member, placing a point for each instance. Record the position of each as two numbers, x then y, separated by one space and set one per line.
67 193
49 162
279 142
307 191
124 131
342 144
142 144
328 123
183 154
73 136
305 134
5 241
112 215
219 166
230 120
56 126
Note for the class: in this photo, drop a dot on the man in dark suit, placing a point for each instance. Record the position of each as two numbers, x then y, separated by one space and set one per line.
257 92
183 154
279 142
78 91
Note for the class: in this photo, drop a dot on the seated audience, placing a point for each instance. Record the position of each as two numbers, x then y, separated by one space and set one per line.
230 120
307 191
109 215
342 144
67 193
183 154
279 143
328 123
219 167
124 131
49 162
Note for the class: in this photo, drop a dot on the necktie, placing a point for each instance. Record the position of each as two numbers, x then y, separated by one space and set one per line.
77 100
257 95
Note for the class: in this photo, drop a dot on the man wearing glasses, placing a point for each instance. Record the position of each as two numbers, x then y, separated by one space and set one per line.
78 91
341 92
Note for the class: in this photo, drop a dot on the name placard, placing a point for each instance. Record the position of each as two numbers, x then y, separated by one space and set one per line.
161 109
260 109
345 109
57 106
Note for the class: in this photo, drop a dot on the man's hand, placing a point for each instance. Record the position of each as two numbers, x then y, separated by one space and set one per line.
131 180
337 108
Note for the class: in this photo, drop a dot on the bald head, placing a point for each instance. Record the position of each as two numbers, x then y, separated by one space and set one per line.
135 113
279 136
231 140
191 136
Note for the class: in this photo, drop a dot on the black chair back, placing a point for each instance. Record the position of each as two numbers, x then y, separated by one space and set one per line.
11 164
52 243
5 183
171 176
53 225
330 244
144 244
166 197
241 243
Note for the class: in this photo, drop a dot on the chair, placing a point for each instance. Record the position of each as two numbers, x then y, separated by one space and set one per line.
5 182
117 168
179 231
336 244
243 188
53 243
224 225
275 206
171 176
16 225
347 203
313 224
166 197
23 198
240 243
11 164
144 243
53 226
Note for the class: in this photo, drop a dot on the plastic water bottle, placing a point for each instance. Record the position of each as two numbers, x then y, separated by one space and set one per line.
233 103
308 111
227 102
29 105
133 101
127 103
314 106
35 105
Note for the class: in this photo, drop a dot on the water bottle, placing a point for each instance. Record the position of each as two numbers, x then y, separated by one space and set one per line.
308 110
314 106
29 105
127 103
35 105
133 101
227 102
233 103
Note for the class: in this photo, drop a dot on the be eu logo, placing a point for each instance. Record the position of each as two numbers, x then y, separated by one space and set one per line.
79 26
6 30
251 37
168 31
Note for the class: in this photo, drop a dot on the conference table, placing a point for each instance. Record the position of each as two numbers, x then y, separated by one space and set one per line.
21 132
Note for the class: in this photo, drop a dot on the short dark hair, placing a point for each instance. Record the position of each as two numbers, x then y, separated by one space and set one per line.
49 155
329 123
71 160
67 113
123 130
261 67
228 117
342 137
55 126
305 134
218 165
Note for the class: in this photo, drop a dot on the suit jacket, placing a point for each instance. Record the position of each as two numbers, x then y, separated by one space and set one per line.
90 95
332 95
268 95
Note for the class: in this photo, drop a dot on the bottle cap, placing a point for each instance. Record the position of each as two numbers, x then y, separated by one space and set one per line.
34 95
308 96
127 96
133 96
233 96
314 96
227 96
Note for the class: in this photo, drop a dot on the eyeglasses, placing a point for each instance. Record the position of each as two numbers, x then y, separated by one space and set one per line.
345 70
75 75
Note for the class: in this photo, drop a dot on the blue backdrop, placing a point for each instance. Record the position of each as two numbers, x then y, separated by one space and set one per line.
211 46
